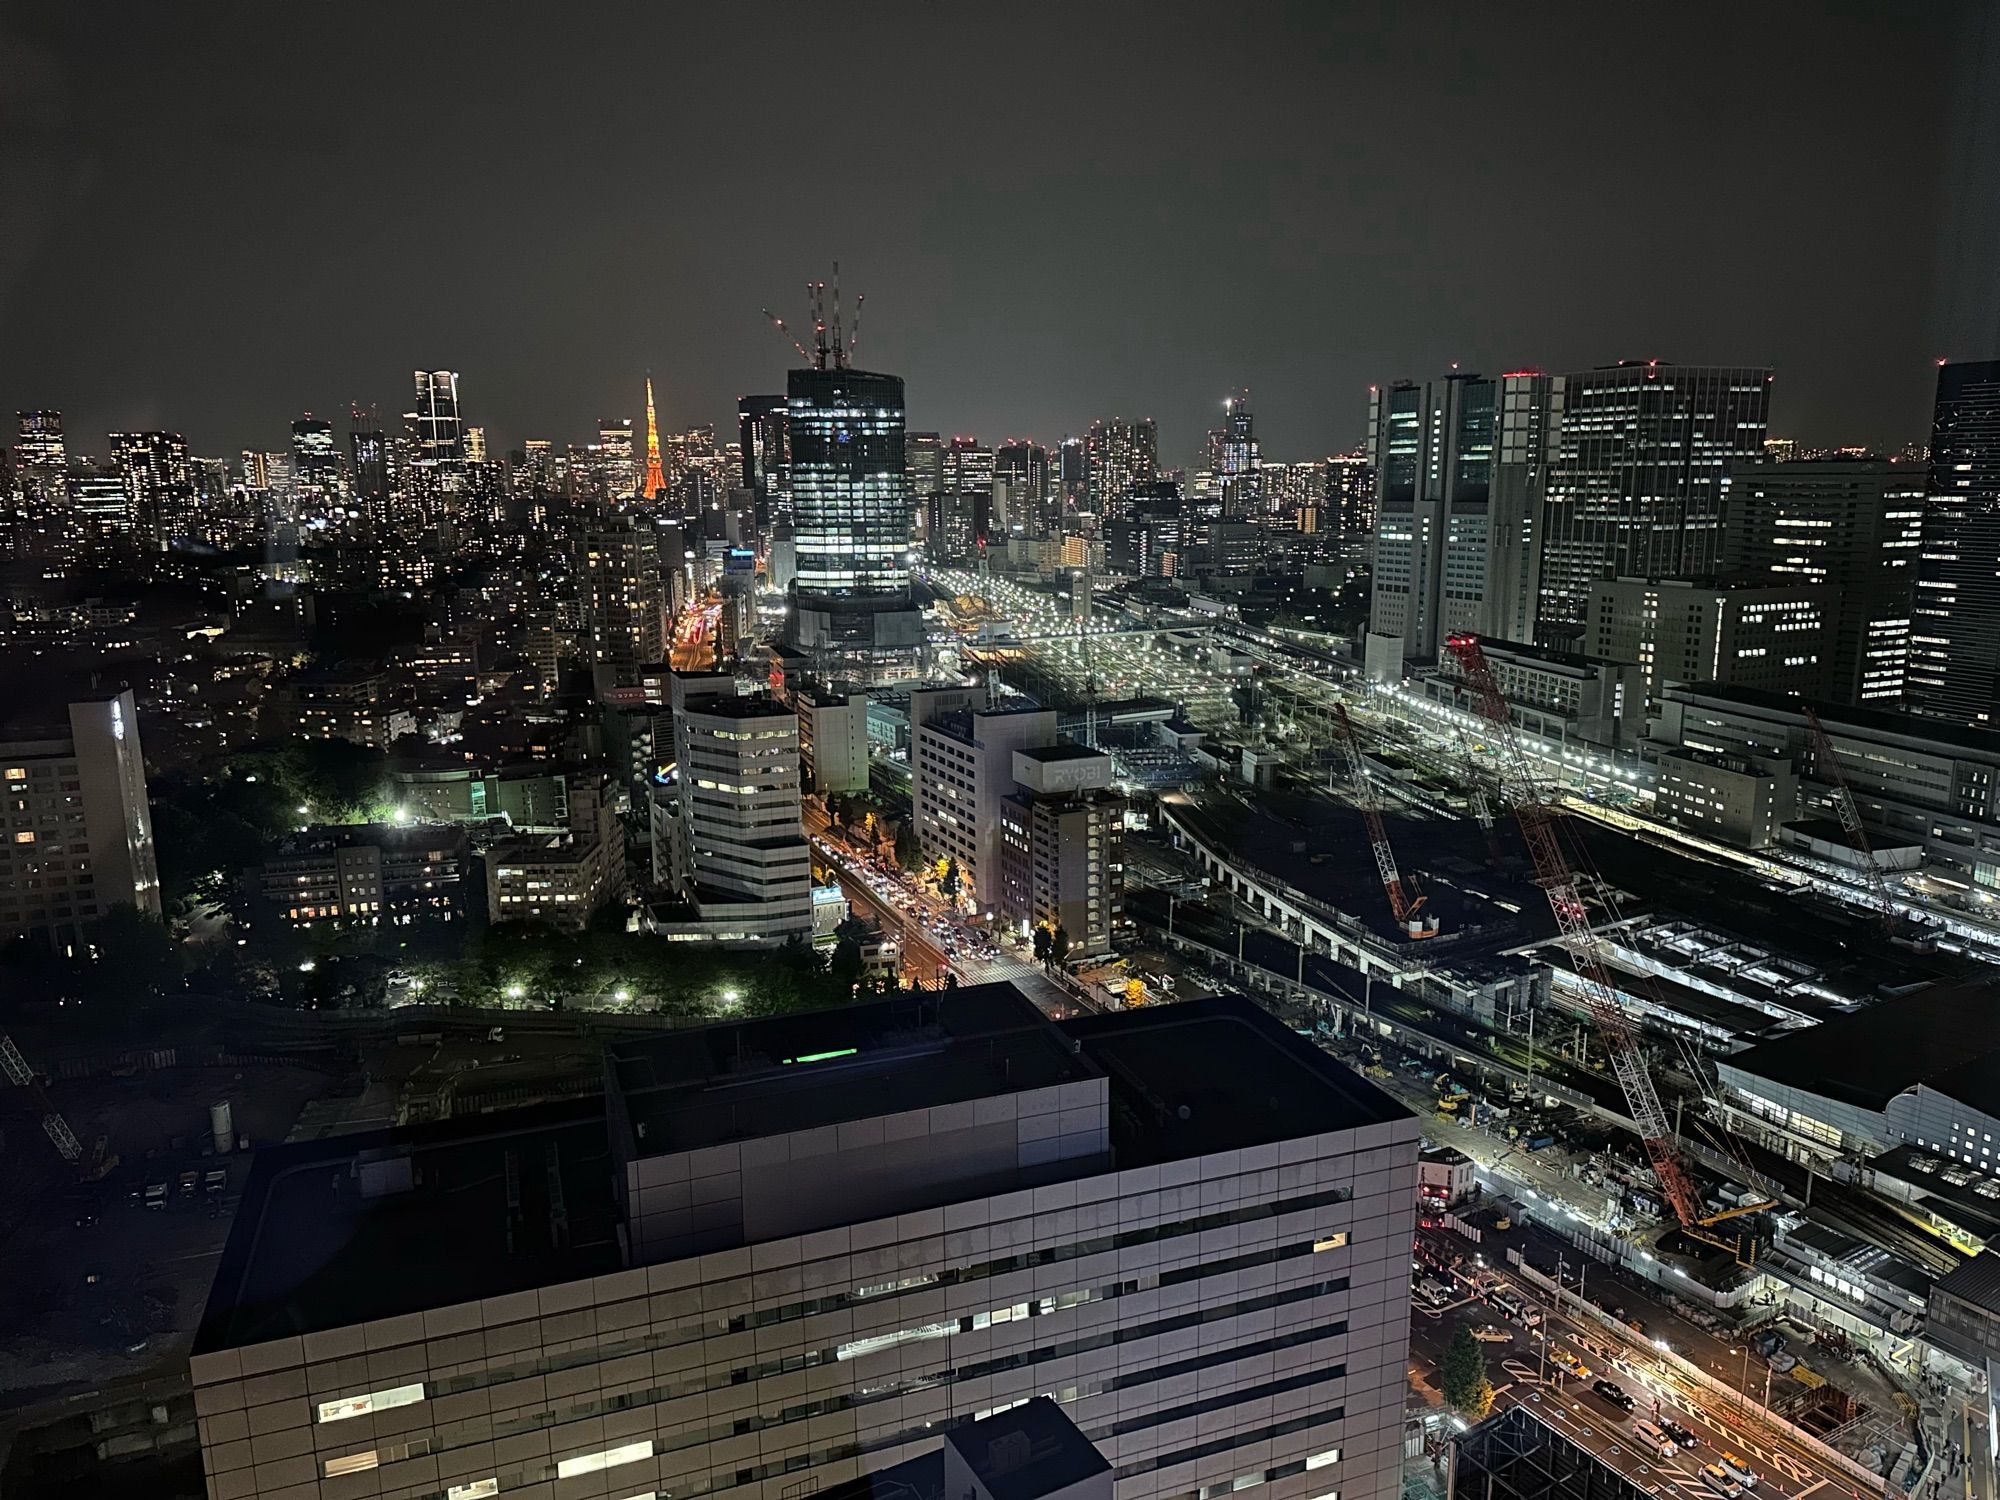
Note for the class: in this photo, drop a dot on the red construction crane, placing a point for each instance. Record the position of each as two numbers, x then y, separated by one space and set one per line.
1405 900
1538 815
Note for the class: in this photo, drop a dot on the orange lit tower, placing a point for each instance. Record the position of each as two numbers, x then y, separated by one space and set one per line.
656 477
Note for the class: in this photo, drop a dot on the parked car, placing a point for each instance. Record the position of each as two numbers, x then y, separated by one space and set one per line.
1615 1393
1491 1333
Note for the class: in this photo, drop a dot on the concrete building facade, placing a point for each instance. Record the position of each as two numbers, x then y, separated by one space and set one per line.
815 1244
76 830
1741 633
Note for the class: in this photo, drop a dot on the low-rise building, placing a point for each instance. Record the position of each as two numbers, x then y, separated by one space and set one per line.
338 703
562 879
1445 1175
1744 632
1562 696
1914 780
364 872
523 796
1743 800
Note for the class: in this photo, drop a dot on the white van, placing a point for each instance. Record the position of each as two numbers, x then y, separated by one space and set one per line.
1655 1438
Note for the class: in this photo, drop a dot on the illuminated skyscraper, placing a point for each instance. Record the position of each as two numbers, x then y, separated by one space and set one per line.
1236 462
439 431
40 509
766 463
315 460
154 466
617 474
621 597
1023 488
368 465
1639 483
1118 456
1459 466
1955 625
850 517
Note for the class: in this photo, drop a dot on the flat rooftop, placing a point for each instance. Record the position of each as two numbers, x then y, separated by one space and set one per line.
1217 1075
689 1089
350 1229
1061 751
354 1228
1947 1036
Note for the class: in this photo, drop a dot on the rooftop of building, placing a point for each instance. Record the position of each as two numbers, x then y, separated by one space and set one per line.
1023 1453
356 1228
1062 750
784 1073
755 706
324 837
1839 717
1219 1074
1947 1036
361 1227
1553 656
1976 1282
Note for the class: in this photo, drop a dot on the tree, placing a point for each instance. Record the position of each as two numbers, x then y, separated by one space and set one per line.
1042 937
132 960
1059 944
1463 1377
907 854
949 884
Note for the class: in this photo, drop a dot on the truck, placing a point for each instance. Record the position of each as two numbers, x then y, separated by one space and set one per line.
1538 1142
156 1195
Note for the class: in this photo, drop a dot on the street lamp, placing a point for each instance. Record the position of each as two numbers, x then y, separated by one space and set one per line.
516 991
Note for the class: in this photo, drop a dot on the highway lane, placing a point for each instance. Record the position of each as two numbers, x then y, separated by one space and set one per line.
1523 1373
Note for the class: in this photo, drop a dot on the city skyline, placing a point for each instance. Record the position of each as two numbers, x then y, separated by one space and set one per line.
999 325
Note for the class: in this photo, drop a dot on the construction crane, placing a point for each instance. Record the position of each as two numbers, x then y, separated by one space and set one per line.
1405 900
1476 798
1906 932
1538 816
15 1066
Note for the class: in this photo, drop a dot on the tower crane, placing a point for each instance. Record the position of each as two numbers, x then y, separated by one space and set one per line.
1405 900
1903 931
15 1066
1538 816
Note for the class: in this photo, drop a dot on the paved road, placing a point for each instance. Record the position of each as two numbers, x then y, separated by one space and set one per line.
1523 1373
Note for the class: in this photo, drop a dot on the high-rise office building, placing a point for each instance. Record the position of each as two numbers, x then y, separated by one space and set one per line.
40 508
622 602
1235 461
1119 455
315 460
1072 477
743 858
1024 492
765 456
100 505
158 485
1955 617
968 468
1153 537
1459 465
1639 483
1350 492
439 430
368 466
617 474
1062 846
789 1251
76 831
851 521
1855 525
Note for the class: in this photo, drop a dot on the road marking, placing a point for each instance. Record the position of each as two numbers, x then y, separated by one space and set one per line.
1816 1484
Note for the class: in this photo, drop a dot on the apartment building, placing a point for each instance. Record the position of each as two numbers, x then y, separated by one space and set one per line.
76 832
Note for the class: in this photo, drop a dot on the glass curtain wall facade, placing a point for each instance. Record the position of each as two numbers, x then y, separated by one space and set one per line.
850 518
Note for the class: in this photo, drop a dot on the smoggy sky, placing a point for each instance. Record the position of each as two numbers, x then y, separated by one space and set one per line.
218 215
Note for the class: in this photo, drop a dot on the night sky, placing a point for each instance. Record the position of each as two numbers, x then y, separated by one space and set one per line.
218 216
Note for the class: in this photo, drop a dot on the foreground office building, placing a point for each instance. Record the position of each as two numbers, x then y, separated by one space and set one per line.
792 1251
